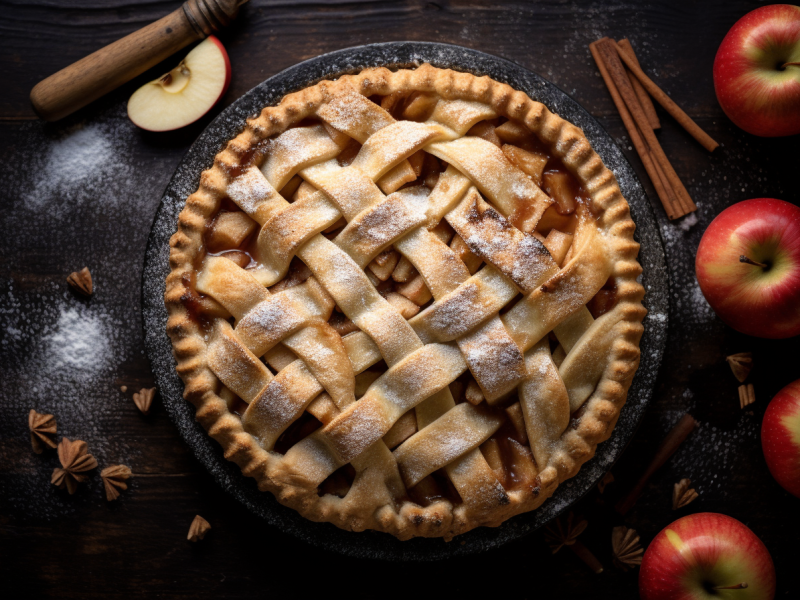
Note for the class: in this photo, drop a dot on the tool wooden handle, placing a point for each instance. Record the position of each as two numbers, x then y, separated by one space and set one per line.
105 70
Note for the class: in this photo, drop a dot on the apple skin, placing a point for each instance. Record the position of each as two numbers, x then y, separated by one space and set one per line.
213 38
753 90
780 437
701 551
752 300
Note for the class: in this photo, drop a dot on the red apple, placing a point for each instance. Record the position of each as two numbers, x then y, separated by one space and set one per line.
757 71
186 93
707 556
748 267
780 437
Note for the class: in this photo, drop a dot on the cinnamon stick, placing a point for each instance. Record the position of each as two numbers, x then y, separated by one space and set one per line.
611 57
665 101
660 182
674 439
644 98
582 552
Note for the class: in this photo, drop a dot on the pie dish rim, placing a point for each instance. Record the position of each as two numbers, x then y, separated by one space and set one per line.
435 47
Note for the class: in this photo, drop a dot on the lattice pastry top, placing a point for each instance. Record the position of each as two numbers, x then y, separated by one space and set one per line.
407 301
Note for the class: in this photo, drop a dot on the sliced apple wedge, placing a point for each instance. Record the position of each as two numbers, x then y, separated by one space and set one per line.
186 93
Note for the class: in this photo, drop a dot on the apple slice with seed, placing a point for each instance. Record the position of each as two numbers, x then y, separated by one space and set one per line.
186 93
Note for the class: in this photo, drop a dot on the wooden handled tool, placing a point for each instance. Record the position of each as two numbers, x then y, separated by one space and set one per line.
91 77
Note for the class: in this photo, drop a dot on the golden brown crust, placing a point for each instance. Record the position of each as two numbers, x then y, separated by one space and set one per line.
577 444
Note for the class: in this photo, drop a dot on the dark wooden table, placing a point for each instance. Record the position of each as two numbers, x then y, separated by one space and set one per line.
84 192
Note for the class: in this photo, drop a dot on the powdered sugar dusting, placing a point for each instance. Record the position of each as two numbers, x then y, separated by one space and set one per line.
76 166
71 200
64 356
80 341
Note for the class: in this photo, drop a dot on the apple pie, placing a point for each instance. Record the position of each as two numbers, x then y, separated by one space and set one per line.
407 300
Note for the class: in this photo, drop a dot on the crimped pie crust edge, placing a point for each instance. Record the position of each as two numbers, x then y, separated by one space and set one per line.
600 412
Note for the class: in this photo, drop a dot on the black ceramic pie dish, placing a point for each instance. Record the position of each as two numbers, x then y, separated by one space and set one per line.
185 181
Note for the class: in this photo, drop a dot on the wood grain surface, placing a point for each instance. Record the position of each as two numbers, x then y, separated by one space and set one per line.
60 213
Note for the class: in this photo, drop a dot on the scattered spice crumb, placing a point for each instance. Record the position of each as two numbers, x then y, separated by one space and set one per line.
682 494
41 427
114 480
144 399
81 281
198 529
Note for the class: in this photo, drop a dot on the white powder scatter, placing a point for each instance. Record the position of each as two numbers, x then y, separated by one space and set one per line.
713 454
62 358
688 221
84 165
80 341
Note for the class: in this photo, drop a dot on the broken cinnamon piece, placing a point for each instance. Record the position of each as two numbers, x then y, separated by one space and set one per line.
667 103
682 494
41 426
198 529
114 480
741 365
671 443
81 282
644 98
144 399
747 395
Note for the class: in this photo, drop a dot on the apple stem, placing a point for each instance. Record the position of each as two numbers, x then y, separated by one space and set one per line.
750 261
738 586
784 65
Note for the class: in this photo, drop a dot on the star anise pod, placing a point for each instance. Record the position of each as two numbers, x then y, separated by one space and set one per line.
741 365
144 399
626 548
75 461
682 495
81 281
198 529
42 427
114 480
557 535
